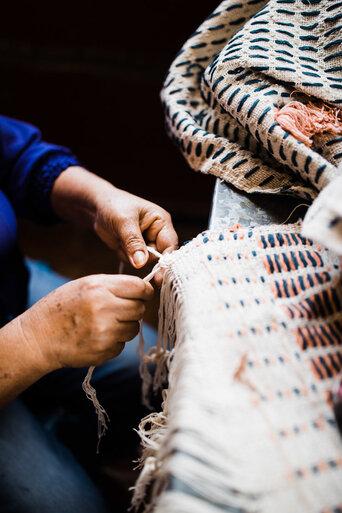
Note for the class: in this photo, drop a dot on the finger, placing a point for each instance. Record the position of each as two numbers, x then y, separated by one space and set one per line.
122 256
152 259
132 243
127 330
129 287
130 310
118 347
162 234
158 278
167 239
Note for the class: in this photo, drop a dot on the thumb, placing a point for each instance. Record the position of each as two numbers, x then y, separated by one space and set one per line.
132 243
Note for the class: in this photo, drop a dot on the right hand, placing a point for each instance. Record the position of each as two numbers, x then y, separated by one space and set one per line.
87 321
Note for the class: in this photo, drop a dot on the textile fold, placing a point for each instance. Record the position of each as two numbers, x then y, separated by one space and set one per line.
223 91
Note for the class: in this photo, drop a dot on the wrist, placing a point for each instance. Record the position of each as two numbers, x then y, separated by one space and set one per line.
29 330
78 195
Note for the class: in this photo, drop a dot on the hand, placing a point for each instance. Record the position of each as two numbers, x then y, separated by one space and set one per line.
126 223
123 221
87 321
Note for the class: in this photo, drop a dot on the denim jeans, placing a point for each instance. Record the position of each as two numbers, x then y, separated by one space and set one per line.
38 472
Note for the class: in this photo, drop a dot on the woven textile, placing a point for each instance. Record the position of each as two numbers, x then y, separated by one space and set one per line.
247 424
245 61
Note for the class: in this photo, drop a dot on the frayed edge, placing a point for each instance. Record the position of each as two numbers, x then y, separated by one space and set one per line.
152 429
102 416
160 356
305 121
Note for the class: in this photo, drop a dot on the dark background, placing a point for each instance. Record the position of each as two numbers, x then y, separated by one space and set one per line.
89 75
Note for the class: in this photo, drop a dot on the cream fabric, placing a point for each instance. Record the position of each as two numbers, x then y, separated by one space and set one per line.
247 425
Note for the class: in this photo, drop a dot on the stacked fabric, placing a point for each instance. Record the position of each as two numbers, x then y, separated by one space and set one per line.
247 423
226 89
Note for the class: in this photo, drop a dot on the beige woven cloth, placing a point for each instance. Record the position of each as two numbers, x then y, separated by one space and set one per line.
255 315
251 318
246 60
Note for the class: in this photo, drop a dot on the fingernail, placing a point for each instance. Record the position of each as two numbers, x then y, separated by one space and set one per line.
139 258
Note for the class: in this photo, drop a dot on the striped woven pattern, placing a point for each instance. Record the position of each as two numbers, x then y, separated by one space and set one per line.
246 60
248 423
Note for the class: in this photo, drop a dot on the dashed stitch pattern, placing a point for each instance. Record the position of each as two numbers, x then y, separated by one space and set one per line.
255 315
247 59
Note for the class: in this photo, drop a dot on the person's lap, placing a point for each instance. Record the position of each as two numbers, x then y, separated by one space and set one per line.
32 458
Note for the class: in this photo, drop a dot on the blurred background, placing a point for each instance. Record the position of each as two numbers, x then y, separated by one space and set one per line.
88 74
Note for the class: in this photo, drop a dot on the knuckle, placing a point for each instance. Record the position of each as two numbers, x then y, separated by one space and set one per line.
132 240
123 219
135 283
92 282
139 311
133 330
166 215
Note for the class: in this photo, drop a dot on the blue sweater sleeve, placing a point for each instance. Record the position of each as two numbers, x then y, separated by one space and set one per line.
29 167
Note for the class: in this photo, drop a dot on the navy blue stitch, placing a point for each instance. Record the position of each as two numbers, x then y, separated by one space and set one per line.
283 42
217 153
251 109
242 101
319 172
229 156
307 164
223 90
252 171
239 163
263 115
232 96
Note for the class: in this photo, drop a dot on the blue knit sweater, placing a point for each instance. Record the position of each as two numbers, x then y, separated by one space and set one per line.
28 169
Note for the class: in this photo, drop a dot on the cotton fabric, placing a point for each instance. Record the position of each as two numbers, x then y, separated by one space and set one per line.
245 61
250 340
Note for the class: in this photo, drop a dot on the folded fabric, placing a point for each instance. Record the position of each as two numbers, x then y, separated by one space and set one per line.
227 85
247 423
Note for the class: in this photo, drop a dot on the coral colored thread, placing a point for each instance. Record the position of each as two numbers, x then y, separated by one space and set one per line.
305 121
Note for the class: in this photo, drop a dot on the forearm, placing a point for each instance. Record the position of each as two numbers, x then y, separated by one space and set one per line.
21 361
75 195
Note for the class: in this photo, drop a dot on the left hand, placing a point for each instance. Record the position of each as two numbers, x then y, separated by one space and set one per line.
123 221
127 223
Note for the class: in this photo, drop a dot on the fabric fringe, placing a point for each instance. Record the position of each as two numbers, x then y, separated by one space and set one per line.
214 397
154 429
102 416
305 121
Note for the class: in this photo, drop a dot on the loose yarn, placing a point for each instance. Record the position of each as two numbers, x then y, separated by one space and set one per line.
305 121
254 97
89 390
102 416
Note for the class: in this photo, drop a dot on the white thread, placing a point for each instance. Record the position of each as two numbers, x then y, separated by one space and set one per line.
102 416
154 252
292 211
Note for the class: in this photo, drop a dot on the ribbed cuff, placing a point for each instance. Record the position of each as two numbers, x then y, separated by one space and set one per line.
40 184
